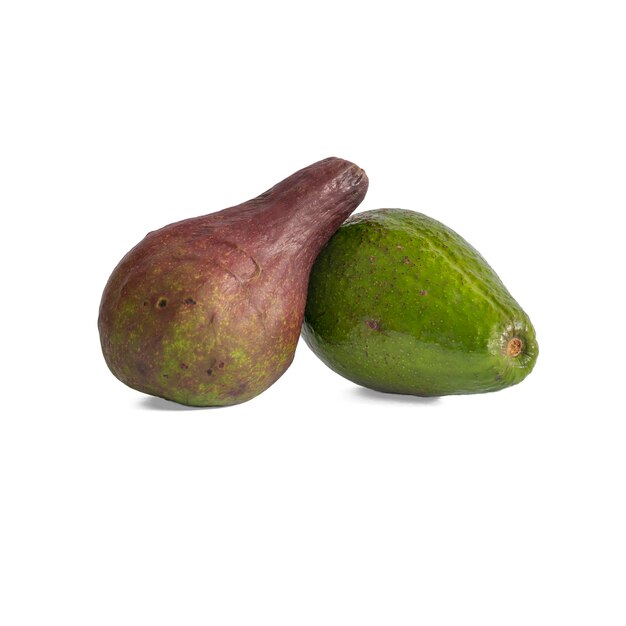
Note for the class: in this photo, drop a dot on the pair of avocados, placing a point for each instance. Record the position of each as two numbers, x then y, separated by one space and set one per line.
208 311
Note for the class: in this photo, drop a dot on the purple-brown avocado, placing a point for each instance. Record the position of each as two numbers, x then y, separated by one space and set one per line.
207 311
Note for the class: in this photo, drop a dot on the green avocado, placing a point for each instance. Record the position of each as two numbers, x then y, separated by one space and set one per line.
399 302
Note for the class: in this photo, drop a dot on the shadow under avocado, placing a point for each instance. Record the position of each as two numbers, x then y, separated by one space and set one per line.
397 398
153 403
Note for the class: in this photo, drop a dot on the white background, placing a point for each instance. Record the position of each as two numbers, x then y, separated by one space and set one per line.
318 502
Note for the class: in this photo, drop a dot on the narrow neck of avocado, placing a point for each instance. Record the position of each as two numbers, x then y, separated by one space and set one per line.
303 211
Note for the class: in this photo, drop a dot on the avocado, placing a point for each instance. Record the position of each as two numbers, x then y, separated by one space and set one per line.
207 311
398 302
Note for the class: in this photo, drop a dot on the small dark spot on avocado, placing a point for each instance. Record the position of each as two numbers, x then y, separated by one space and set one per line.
166 376
162 303
498 377
209 371
372 259
406 260
220 364
190 301
184 366
373 324
145 303
241 388
399 247
423 292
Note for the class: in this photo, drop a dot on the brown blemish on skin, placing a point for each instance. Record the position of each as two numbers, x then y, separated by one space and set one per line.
220 364
406 260
209 371
399 247
162 303
190 301
372 259
514 347
237 262
423 292
239 390
373 324
184 366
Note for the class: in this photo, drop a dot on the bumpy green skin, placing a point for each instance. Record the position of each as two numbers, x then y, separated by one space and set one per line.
400 303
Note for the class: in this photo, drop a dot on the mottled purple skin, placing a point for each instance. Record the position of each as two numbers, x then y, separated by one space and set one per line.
208 311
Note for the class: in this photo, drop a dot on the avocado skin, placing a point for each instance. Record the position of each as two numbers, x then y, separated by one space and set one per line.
398 302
